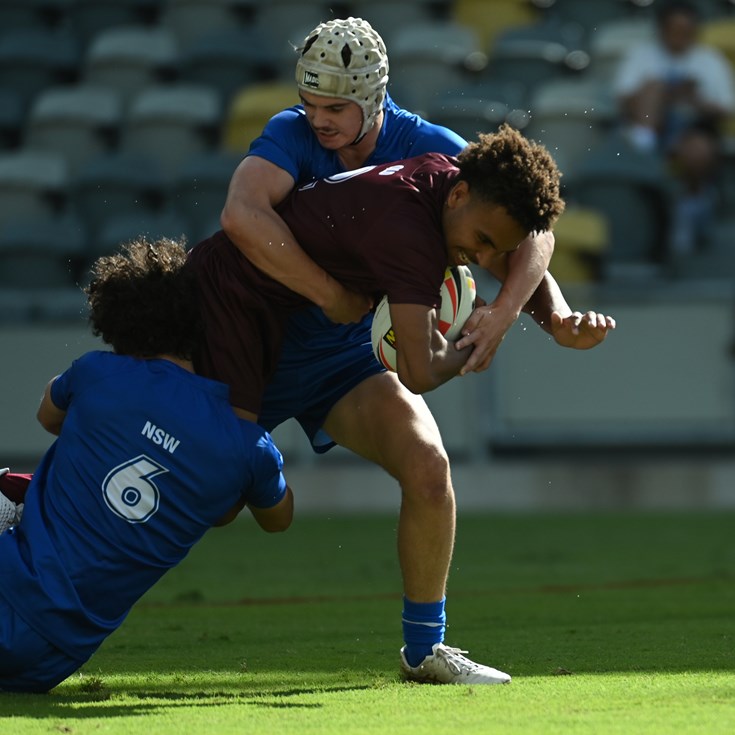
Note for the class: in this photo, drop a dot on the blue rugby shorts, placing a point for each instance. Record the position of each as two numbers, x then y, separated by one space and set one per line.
28 662
320 362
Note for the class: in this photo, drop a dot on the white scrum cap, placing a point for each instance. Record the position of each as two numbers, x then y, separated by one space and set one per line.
346 58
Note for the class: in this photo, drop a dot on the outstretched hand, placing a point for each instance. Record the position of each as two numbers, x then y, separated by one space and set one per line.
581 331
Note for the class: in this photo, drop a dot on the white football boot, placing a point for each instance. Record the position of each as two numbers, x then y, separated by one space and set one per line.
448 666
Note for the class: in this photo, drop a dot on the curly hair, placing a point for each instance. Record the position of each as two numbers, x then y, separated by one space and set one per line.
143 300
516 173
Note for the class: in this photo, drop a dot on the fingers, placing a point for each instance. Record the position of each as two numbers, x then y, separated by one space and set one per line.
478 362
473 321
594 320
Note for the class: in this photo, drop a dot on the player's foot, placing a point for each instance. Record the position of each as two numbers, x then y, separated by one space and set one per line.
448 666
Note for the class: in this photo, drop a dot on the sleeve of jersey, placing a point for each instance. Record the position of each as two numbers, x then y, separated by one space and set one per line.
285 141
268 484
62 389
81 372
432 138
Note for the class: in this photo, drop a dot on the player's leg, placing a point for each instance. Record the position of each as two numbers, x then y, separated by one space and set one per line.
382 421
28 662
386 424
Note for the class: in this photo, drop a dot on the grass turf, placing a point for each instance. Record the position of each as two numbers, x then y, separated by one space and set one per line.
608 624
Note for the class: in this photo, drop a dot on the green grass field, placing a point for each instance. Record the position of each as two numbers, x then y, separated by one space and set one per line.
608 624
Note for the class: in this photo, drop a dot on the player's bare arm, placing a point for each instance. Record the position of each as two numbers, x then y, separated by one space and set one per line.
573 329
276 518
425 359
523 271
48 415
263 237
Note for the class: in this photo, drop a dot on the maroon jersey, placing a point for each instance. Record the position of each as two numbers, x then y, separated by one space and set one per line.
377 230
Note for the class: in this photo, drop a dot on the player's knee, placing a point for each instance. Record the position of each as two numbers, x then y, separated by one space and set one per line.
427 476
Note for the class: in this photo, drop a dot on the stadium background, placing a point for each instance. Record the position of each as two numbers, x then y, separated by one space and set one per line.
128 116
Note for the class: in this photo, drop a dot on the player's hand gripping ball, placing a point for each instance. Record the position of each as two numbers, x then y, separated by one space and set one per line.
458 293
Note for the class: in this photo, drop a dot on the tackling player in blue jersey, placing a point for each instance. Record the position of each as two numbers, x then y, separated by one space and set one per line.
149 456
327 376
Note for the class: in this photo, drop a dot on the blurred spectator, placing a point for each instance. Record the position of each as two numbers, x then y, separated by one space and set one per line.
674 94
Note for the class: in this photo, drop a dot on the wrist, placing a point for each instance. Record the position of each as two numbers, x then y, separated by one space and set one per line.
504 310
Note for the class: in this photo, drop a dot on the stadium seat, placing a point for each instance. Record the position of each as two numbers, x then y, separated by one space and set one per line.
713 9
188 20
251 109
720 34
115 184
131 58
172 123
610 43
276 20
388 17
511 93
32 183
489 24
123 228
283 25
633 192
570 118
581 241
569 33
12 118
430 59
533 62
78 122
467 116
227 61
200 190
590 13
52 305
89 18
41 261
17 14
41 252
35 58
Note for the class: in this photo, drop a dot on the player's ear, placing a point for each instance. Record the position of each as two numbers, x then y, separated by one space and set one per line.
458 194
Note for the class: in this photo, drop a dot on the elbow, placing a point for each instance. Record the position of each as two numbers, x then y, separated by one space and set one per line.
51 425
278 527
278 519
417 381
228 220
276 524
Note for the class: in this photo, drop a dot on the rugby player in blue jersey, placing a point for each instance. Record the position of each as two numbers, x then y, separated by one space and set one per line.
327 377
148 457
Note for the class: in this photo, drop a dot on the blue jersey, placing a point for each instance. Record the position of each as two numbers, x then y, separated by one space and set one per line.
321 361
149 457
289 142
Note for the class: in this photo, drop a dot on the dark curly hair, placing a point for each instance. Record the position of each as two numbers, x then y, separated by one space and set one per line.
143 300
510 170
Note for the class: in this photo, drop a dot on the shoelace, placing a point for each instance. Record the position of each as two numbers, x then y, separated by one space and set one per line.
455 660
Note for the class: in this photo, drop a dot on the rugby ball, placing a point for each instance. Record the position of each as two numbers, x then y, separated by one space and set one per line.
458 293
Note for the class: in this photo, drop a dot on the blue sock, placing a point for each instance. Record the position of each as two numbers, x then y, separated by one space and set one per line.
423 626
